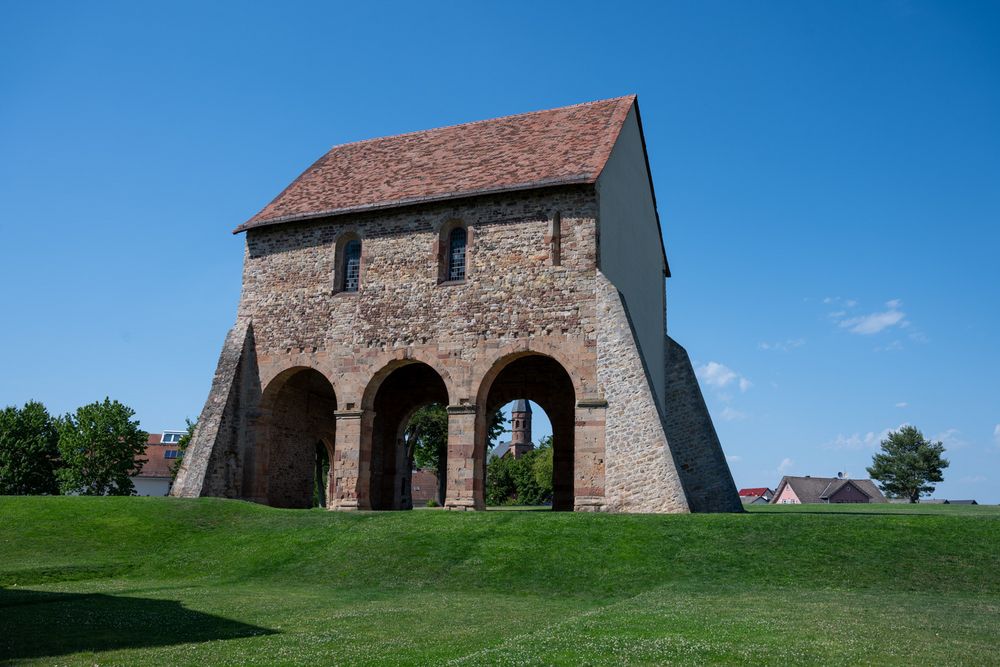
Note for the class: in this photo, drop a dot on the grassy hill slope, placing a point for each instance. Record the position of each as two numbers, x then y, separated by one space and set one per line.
143 580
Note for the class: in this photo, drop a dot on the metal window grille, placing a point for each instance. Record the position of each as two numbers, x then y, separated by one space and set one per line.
352 265
456 254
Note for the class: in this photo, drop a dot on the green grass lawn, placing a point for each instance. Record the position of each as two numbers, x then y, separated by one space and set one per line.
165 581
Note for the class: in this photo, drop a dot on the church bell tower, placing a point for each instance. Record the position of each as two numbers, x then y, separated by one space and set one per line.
520 429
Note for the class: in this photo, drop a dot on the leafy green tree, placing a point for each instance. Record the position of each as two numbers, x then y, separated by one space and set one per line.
29 451
501 482
542 467
908 465
496 429
100 445
528 491
426 437
182 446
523 481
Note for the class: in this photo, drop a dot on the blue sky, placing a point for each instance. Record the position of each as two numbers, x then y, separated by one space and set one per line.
828 176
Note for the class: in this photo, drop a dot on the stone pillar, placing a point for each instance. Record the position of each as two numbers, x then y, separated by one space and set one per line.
588 453
255 458
464 490
350 470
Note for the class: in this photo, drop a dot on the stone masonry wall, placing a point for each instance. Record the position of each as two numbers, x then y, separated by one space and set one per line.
213 461
697 451
511 290
640 473
515 301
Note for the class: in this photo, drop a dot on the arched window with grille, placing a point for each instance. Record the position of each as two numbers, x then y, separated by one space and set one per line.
352 266
457 241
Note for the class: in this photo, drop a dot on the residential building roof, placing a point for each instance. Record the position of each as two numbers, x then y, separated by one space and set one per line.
755 491
156 462
819 489
564 146
501 449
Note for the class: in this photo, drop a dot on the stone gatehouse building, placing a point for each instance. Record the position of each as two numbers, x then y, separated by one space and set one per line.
472 265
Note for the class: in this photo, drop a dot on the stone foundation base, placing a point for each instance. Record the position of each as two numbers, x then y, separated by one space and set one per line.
351 505
462 505
589 504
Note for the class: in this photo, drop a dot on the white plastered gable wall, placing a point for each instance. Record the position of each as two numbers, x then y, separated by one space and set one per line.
630 247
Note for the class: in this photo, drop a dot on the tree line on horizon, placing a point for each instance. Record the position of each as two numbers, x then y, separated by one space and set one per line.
93 451
97 449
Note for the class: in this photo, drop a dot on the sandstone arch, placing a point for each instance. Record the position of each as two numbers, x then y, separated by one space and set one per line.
539 378
297 411
391 398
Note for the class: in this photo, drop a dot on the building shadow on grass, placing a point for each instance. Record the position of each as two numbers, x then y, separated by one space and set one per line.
39 624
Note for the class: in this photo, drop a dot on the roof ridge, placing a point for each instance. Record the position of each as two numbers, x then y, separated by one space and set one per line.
532 149
630 96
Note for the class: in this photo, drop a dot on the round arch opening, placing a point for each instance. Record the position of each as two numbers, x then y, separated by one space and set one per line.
294 442
403 391
542 380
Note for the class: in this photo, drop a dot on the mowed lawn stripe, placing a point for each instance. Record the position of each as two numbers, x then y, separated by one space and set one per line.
168 581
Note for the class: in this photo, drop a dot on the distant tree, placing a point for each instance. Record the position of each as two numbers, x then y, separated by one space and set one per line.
182 446
501 480
542 467
523 481
29 451
496 429
100 445
426 438
908 465
528 492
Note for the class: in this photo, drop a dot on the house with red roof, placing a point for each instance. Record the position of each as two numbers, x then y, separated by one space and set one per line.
162 452
757 495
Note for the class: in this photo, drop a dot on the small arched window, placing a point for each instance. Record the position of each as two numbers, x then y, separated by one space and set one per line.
457 241
352 265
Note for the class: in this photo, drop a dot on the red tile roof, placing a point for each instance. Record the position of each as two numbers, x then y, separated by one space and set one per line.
156 463
756 491
569 145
